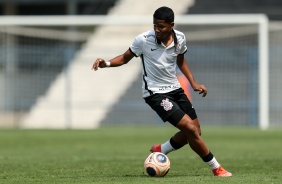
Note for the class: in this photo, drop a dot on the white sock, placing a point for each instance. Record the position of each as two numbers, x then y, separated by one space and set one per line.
213 164
166 147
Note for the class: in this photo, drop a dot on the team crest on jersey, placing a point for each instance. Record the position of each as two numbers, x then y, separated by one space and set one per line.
177 49
166 104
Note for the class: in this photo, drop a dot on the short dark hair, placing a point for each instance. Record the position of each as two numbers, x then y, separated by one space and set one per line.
164 13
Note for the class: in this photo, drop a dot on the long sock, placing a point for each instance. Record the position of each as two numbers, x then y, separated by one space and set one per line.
170 146
211 161
166 147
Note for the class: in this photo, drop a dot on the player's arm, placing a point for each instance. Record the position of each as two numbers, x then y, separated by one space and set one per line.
117 61
185 69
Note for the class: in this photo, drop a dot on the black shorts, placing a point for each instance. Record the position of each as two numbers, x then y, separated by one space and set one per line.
171 106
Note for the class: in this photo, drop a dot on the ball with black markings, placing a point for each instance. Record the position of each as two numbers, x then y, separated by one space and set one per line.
157 164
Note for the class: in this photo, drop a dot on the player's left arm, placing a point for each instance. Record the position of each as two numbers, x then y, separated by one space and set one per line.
185 69
115 62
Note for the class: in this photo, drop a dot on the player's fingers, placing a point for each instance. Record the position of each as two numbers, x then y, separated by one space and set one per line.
96 64
93 66
205 93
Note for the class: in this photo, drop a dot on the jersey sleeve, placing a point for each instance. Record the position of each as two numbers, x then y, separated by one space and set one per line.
183 48
137 46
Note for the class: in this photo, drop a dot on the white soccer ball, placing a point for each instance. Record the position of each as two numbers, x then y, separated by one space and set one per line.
157 164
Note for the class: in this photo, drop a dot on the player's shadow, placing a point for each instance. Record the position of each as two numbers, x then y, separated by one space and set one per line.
144 175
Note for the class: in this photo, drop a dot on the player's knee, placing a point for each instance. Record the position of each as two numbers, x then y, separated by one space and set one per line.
199 130
187 125
197 124
191 128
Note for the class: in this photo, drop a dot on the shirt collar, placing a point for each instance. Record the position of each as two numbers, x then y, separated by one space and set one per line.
174 39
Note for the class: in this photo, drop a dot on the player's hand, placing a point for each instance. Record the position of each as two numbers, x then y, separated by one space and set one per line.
99 63
201 88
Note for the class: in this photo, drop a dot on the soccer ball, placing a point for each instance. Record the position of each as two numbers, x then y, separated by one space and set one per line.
157 164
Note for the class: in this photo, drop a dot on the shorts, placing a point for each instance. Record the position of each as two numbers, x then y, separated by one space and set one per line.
171 106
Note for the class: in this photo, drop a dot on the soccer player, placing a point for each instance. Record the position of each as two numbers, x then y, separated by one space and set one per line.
161 50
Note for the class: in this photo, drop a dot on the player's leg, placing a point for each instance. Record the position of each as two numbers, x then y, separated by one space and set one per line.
191 131
185 119
188 127
176 142
180 137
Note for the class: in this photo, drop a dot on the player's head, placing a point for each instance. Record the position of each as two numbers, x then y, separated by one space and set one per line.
163 22
164 13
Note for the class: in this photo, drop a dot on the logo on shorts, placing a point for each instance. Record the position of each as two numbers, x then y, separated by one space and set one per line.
166 104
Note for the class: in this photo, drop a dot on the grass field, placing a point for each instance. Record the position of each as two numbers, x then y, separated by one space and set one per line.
116 155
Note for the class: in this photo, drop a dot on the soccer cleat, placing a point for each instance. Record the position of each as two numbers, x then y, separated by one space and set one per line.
221 172
156 148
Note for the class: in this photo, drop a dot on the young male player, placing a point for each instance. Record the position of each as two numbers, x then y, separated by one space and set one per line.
161 50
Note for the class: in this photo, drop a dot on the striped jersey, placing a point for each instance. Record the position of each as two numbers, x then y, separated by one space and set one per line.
159 61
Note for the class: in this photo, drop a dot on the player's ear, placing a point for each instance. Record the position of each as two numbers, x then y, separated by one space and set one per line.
172 24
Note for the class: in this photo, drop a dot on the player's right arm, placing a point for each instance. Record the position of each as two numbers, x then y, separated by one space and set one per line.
117 61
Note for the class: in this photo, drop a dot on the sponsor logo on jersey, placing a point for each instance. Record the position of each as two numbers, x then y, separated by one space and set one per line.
168 87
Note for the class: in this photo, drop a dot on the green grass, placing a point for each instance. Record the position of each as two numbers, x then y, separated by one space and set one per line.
116 155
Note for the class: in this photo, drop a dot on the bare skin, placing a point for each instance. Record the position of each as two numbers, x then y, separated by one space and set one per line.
189 130
117 61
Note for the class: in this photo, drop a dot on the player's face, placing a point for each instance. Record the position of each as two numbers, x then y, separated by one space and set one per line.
162 29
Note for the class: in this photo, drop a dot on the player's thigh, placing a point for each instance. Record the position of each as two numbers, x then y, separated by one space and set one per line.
197 124
187 125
